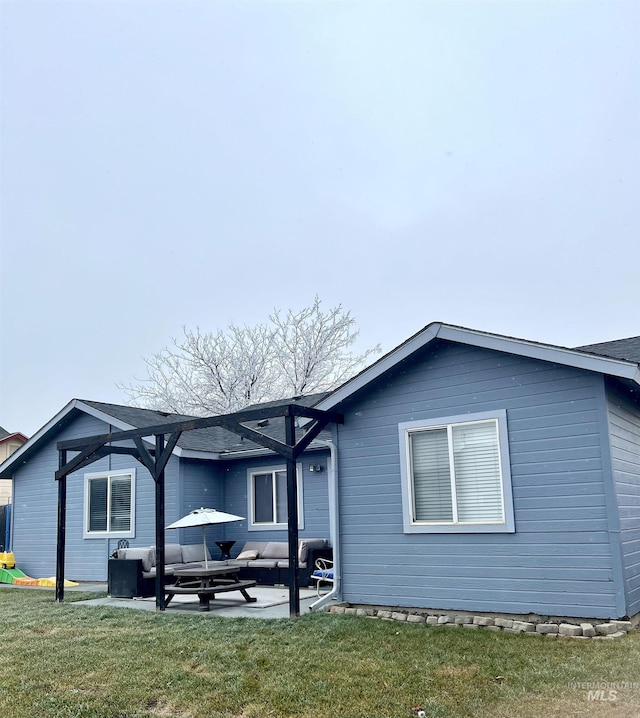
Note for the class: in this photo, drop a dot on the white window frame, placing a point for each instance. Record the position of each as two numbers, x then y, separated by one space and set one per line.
109 475
272 526
405 429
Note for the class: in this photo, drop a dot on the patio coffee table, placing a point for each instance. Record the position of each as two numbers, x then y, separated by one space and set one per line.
206 582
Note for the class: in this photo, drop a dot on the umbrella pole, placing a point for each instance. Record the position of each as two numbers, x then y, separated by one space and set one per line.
204 545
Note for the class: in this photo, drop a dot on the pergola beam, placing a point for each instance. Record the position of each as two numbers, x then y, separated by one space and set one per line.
224 420
266 441
144 457
84 457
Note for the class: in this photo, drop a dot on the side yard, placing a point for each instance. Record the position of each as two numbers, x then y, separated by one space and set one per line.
70 661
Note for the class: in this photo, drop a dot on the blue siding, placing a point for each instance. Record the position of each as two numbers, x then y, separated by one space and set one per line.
559 560
315 497
624 431
36 501
200 486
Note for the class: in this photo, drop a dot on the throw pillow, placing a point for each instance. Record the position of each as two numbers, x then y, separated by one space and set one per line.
247 556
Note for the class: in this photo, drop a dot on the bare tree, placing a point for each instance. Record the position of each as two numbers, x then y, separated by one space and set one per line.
206 373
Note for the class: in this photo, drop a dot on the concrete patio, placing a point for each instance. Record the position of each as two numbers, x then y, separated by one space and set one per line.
272 602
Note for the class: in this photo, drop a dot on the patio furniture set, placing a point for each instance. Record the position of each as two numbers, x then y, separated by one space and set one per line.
189 570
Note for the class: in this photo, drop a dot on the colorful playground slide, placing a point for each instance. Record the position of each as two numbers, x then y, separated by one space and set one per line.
10 574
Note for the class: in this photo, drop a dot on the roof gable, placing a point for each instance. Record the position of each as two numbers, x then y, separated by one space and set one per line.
578 358
52 427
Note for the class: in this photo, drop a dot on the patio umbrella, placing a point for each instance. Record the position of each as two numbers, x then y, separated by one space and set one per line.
204 517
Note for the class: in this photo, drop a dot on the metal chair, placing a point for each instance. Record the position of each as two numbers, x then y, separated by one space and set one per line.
323 574
122 543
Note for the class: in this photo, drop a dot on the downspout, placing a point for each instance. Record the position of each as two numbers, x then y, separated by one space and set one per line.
334 526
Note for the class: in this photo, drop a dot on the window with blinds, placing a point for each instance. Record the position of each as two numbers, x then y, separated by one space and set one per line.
109 503
455 474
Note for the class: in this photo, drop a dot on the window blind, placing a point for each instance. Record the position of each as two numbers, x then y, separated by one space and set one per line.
98 504
477 472
282 514
431 476
120 503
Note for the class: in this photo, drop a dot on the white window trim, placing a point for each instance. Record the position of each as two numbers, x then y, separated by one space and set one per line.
411 526
252 525
109 534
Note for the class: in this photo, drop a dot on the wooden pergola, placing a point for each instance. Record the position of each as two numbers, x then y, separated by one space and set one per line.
165 437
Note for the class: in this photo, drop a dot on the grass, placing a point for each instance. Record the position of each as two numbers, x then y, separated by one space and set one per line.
71 661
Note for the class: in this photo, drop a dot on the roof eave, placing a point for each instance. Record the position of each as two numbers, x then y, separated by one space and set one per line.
12 437
223 455
196 454
546 352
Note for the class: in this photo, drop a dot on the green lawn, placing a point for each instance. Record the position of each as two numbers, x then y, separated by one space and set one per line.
62 661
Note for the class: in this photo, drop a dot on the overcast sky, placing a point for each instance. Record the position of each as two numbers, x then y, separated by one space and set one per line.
198 163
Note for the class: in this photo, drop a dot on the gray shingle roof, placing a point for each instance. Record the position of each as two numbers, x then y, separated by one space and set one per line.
4 433
136 416
626 349
307 400
213 439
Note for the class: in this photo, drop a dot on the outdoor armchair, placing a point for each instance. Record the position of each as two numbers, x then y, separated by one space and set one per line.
323 573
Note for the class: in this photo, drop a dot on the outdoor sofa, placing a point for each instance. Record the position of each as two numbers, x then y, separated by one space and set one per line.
267 562
132 571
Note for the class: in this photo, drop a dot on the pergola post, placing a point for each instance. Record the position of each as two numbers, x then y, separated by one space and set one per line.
62 525
159 480
292 510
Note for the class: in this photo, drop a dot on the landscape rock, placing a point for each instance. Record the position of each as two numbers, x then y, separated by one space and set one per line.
483 621
524 627
504 622
464 618
605 629
547 628
588 630
415 619
625 626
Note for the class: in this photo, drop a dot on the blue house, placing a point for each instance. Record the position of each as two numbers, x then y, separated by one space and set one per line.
473 472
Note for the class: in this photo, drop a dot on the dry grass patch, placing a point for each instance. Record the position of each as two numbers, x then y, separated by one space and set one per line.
452 672
166 709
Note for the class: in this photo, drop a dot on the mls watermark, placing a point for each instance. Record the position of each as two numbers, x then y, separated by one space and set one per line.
605 691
